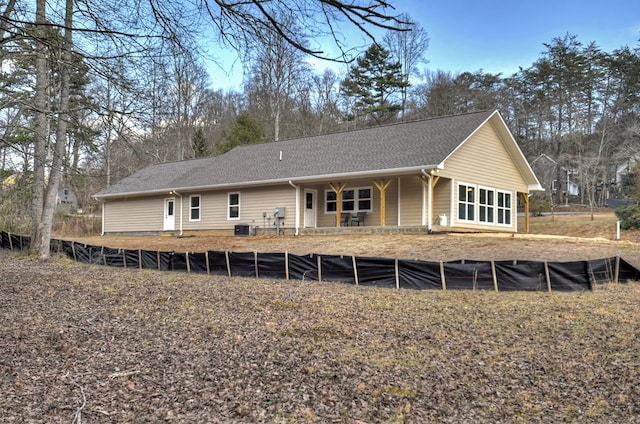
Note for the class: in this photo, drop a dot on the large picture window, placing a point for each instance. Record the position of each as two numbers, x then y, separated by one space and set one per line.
234 206
194 208
484 205
353 200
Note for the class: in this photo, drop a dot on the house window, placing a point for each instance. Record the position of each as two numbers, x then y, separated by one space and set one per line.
353 200
364 199
194 208
234 206
504 208
486 205
466 202
330 201
348 201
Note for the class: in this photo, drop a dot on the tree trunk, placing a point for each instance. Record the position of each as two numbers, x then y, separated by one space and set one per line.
41 128
41 245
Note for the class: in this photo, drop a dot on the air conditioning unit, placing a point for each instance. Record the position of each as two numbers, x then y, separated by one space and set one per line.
242 230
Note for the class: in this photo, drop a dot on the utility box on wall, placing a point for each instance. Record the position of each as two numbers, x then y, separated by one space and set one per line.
279 212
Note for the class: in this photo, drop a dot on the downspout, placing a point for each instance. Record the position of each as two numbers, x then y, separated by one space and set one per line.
429 197
297 187
102 212
180 196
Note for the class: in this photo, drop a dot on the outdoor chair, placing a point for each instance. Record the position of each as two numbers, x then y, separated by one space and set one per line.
344 219
356 220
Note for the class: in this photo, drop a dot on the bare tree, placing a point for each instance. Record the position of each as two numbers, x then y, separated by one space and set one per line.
408 46
276 67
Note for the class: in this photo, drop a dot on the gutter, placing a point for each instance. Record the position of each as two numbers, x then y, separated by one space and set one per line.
297 187
180 196
102 202
310 178
429 197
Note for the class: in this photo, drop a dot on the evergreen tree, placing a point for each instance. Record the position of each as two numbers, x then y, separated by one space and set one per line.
201 147
245 130
373 84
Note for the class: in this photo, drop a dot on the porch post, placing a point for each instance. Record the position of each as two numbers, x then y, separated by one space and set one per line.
383 185
338 188
525 200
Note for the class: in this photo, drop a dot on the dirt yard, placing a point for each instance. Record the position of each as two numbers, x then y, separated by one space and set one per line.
561 238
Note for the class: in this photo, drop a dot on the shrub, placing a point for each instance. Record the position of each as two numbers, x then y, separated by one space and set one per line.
629 216
538 204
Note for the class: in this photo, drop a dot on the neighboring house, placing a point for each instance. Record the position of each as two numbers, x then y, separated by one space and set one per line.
463 171
547 171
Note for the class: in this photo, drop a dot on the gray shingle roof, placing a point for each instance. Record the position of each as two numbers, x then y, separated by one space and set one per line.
392 147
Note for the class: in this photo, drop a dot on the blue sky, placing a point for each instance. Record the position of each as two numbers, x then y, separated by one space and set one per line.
498 36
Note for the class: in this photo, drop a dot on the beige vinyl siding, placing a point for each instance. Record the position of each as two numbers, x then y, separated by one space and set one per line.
144 214
483 161
253 203
442 201
411 204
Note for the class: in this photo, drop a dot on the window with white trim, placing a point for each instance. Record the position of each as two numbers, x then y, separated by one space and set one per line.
233 206
490 206
353 200
486 205
466 202
194 208
504 208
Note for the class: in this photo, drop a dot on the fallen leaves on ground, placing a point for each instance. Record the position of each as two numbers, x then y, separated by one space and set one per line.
114 346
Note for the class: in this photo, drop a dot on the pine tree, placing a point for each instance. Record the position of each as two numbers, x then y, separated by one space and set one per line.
201 147
373 84
245 130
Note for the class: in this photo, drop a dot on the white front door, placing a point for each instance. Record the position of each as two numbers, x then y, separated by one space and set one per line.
169 215
310 210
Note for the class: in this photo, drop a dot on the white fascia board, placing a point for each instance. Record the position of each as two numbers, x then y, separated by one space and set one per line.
311 178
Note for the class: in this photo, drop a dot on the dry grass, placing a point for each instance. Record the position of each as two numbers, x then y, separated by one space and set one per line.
108 345
119 346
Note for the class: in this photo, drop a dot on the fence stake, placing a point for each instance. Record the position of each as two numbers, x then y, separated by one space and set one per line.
255 262
206 259
158 259
319 269
286 265
186 255
493 275
442 279
546 274
124 258
226 256
139 258
617 272
355 269
397 275
10 241
104 258
73 249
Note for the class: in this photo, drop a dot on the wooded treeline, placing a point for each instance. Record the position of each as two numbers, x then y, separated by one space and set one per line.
139 92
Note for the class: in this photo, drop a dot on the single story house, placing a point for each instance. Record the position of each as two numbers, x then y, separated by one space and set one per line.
463 171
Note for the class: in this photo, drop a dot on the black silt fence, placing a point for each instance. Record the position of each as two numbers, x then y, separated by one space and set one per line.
376 272
366 271
419 275
521 276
